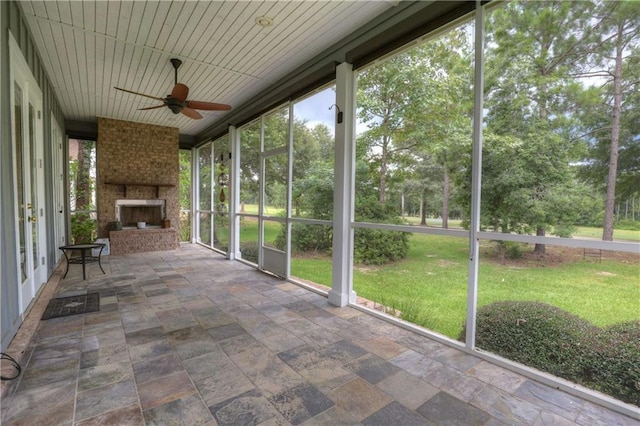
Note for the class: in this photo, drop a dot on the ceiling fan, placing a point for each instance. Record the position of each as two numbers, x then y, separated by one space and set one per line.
177 100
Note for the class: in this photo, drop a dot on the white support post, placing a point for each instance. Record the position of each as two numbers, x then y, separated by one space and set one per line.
474 226
342 293
234 194
195 201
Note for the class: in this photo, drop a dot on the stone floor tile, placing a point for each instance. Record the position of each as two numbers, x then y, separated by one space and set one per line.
187 334
145 335
222 384
333 417
64 371
242 343
147 351
407 389
55 400
359 398
497 376
381 346
189 410
444 409
249 408
455 358
206 365
95 402
166 389
270 374
225 331
343 351
129 416
395 413
104 355
190 350
372 368
156 368
415 363
281 341
300 403
101 375
550 400
505 407
596 415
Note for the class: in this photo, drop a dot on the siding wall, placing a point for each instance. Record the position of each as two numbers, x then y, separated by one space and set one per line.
12 21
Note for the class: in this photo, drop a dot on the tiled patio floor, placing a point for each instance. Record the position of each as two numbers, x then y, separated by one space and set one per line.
186 337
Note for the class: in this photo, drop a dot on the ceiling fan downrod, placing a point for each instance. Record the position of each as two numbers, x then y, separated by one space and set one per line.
176 64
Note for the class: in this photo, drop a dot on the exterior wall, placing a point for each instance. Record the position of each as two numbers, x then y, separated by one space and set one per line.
12 21
132 153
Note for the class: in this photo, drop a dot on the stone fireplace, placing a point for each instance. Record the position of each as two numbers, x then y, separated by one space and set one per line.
137 171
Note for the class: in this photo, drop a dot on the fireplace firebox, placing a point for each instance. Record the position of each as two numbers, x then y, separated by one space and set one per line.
129 212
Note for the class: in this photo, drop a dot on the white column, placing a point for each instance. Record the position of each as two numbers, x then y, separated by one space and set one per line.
474 226
234 194
342 292
195 200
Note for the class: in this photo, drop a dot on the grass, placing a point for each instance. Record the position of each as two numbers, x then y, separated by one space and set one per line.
429 287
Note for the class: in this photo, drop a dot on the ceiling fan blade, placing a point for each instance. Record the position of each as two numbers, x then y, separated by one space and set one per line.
180 92
191 113
208 106
152 107
141 94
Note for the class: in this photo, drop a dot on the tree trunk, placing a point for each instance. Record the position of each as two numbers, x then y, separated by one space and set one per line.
83 178
540 248
423 209
445 199
607 232
383 170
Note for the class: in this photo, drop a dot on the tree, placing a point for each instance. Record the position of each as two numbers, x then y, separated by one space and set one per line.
618 57
534 48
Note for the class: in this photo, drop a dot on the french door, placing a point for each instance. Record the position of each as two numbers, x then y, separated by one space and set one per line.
27 130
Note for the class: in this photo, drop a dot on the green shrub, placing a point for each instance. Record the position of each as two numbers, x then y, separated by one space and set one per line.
552 340
249 252
613 366
379 246
83 228
307 238
509 249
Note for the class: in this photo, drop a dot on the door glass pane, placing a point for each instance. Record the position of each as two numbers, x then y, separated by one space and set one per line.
34 179
17 106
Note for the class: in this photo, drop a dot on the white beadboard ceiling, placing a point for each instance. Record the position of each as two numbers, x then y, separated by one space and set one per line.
90 47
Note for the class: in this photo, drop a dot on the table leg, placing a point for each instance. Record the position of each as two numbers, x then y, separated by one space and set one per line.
84 255
67 258
99 261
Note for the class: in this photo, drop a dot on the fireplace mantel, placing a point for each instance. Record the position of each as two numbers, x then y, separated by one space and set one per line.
127 184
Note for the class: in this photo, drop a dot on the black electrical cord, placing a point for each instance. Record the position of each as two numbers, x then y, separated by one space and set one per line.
15 364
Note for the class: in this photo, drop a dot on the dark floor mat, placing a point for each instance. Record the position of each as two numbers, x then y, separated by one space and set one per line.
73 305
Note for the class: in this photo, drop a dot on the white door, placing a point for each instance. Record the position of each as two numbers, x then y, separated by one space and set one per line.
27 133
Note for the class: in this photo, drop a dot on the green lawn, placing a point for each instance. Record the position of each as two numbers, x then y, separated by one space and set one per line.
429 287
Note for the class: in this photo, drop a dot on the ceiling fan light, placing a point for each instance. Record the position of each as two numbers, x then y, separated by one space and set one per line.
264 21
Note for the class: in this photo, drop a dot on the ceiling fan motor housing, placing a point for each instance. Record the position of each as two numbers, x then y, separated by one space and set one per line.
174 105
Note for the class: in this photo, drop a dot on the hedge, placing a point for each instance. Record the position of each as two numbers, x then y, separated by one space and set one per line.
553 340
